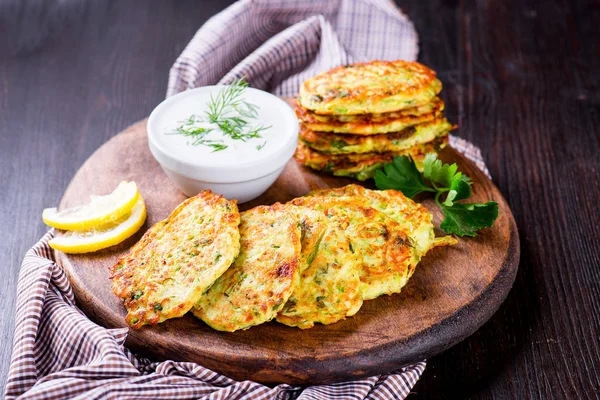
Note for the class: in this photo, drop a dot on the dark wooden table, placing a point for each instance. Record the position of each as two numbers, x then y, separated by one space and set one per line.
521 78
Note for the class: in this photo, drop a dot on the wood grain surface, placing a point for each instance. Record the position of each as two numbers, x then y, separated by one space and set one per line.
453 291
520 77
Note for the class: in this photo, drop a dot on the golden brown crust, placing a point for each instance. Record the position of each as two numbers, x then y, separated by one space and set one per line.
379 248
328 288
414 219
370 87
165 273
361 166
332 143
371 124
261 278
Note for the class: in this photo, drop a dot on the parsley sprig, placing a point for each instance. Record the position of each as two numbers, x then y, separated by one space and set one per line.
449 186
230 113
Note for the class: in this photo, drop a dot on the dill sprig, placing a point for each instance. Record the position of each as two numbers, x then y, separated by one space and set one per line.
226 102
197 134
217 146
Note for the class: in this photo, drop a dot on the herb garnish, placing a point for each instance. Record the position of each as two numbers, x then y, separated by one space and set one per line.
230 113
462 219
197 134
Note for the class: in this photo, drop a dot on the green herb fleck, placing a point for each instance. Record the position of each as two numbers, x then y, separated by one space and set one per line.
338 144
277 304
217 147
290 306
136 294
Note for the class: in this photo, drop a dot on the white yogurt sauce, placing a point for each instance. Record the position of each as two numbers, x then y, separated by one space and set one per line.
237 152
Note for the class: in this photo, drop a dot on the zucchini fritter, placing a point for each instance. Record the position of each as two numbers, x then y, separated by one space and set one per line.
362 166
329 289
414 219
370 87
332 143
379 248
371 124
261 278
167 271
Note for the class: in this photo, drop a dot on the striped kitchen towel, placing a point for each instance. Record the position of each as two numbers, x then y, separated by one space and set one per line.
58 353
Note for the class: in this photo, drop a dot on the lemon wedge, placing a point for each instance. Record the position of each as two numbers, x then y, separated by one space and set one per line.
100 211
110 234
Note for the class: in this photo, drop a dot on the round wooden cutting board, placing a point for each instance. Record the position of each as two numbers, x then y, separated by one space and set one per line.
452 293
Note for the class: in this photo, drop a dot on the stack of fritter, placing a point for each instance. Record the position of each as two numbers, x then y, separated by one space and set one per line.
356 118
312 260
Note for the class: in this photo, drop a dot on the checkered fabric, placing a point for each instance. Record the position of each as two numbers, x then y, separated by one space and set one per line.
277 44
58 353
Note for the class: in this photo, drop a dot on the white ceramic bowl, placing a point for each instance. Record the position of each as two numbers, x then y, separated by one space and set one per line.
242 171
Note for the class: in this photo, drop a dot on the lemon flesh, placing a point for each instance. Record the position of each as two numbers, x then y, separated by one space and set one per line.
100 211
110 234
